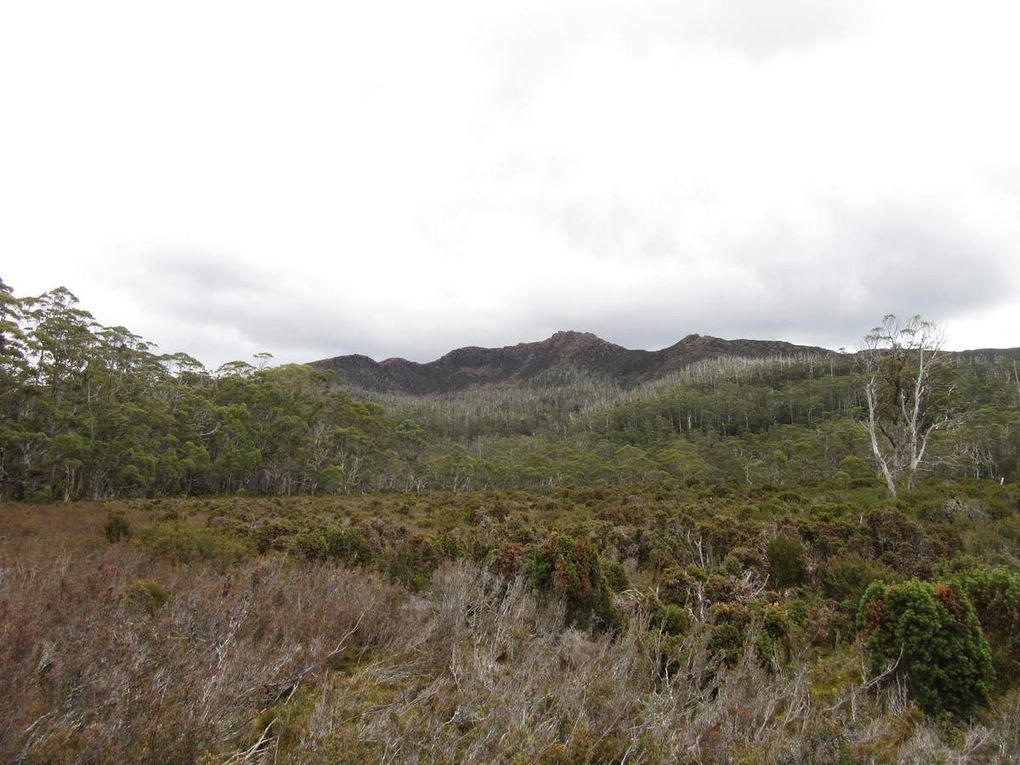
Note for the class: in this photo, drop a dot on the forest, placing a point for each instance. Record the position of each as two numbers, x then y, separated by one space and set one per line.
802 558
92 412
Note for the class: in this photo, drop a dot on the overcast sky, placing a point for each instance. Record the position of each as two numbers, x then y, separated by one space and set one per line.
403 178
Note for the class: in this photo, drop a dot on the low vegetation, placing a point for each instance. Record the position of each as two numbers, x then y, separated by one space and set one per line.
649 624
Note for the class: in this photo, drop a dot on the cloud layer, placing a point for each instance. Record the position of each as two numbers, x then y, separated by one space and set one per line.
405 178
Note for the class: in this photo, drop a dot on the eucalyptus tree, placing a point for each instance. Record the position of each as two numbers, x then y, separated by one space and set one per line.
908 389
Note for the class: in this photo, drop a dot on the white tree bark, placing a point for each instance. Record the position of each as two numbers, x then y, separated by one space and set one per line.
902 362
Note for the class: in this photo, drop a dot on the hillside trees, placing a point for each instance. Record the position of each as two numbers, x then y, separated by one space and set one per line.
908 394
90 411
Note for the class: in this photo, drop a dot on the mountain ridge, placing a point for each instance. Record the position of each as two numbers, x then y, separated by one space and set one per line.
475 366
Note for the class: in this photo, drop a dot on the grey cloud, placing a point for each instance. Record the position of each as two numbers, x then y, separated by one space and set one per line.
750 27
901 258
777 283
826 290
187 279
217 307
610 227
524 51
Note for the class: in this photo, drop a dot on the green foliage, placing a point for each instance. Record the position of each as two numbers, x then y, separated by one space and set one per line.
772 638
570 569
116 527
90 411
187 542
930 636
787 561
146 594
846 577
672 620
616 575
678 585
995 593
726 643
331 542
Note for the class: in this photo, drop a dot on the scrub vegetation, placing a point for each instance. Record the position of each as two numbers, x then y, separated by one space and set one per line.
259 565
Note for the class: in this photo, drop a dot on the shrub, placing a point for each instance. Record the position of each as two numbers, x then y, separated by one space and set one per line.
903 544
188 543
616 575
930 636
846 577
570 569
146 594
772 640
507 560
741 559
334 543
995 593
412 560
672 620
726 643
116 527
787 561
679 584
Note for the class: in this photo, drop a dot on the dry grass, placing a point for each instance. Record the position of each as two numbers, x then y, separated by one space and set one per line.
111 655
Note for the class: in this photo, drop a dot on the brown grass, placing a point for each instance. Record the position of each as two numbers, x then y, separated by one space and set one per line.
274 659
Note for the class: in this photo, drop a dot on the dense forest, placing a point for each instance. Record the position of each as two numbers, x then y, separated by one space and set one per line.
90 411
810 557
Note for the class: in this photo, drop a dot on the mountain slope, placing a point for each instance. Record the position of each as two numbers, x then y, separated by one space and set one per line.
516 364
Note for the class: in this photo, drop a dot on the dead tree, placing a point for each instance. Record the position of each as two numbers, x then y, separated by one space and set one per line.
908 394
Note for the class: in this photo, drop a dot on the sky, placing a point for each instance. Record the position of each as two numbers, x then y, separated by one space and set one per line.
390 178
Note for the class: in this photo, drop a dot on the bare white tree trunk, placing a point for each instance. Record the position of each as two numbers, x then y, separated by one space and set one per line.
901 410
883 464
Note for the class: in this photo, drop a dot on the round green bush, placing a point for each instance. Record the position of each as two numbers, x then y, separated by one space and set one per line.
929 636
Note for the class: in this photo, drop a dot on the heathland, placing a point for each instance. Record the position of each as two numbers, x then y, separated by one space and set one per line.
562 552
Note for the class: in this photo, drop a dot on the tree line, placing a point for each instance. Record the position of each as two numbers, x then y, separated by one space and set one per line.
94 411
91 411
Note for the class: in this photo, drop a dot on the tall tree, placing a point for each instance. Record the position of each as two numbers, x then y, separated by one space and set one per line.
908 393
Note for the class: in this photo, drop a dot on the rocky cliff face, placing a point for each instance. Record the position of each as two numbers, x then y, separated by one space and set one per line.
566 351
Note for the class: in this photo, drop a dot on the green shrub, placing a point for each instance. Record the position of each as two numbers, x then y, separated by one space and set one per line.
334 543
730 613
845 578
741 559
903 544
772 639
412 560
672 620
995 593
116 527
187 542
930 635
570 568
146 594
616 575
726 643
678 584
787 561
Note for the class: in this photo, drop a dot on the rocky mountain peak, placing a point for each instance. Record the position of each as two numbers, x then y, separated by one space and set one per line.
474 366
